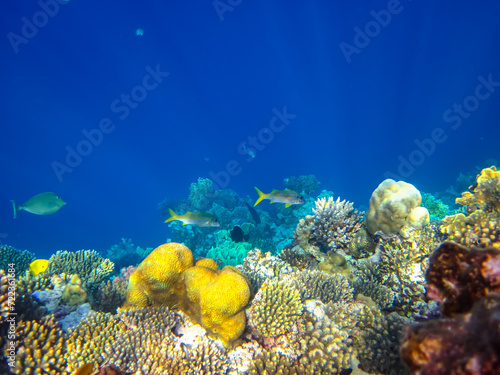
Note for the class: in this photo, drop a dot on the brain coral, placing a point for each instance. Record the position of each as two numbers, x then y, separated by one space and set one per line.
215 299
394 205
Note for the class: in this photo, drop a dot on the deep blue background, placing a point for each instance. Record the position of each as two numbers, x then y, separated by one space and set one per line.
353 119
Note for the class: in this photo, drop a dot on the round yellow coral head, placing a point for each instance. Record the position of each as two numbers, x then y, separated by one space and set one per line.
158 280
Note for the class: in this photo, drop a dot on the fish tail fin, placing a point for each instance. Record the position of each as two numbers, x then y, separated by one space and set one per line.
15 208
173 216
261 196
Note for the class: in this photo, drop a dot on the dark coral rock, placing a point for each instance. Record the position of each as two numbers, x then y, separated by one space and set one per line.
468 344
458 276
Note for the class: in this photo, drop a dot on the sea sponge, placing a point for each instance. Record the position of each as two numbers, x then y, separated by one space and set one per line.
391 207
158 280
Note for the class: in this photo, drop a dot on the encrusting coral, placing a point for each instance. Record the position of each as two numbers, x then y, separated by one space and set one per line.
393 206
213 298
321 286
485 194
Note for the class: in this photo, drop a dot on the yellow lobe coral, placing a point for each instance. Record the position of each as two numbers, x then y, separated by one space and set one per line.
158 279
38 266
485 195
207 262
73 293
217 300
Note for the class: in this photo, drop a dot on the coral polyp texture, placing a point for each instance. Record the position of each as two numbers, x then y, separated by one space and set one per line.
395 206
458 276
332 227
485 194
213 298
276 308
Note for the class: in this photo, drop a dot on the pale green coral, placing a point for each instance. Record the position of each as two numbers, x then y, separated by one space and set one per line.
437 209
201 192
230 253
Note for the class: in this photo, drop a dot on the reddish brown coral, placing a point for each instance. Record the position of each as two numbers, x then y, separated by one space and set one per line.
469 344
459 276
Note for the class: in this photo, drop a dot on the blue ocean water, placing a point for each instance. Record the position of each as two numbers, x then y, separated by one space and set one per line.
116 122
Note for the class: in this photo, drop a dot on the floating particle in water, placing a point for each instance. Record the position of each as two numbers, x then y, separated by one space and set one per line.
139 32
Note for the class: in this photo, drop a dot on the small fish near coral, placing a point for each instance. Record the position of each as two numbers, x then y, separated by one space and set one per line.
200 219
286 196
42 204
38 266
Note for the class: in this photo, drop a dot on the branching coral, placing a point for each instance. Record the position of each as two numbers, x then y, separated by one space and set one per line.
110 296
276 308
87 264
260 266
332 227
21 258
437 209
298 258
401 269
378 346
319 285
201 193
40 349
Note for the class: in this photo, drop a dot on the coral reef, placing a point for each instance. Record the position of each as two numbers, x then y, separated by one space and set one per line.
485 194
201 193
5 282
307 184
276 308
298 258
321 286
362 244
332 227
436 207
158 280
394 205
459 276
21 258
335 263
478 229
40 349
396 279
125 254
378 346
213 298
259 266
27 307
87 264
110 296
229 252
